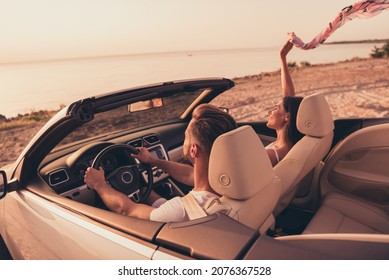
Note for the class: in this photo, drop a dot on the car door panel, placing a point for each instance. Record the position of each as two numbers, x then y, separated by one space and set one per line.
363 173
358 166
38 229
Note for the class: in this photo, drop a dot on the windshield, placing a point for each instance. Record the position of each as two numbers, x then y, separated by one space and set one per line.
122 118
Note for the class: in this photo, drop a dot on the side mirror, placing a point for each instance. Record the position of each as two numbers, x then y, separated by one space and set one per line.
3 184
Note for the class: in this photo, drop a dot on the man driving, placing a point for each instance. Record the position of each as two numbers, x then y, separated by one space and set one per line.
200 135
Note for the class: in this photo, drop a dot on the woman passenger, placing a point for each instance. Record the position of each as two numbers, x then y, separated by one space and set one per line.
282 118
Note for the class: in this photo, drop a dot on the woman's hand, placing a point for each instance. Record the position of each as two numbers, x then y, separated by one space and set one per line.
286 49
286 80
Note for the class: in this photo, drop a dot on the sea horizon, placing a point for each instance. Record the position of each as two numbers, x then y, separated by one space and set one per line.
49 84
188 52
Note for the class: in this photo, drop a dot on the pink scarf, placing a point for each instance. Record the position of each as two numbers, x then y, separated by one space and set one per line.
362 9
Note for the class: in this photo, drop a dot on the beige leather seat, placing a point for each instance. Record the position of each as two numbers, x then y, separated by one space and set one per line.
315 121
241 172
342 214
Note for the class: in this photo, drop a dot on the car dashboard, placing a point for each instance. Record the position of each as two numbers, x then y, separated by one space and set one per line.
64 174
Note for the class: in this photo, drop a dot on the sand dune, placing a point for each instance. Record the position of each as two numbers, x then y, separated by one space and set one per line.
358 88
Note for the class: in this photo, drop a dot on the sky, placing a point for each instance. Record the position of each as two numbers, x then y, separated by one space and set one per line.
51 29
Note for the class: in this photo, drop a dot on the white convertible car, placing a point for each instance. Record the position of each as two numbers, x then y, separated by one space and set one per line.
327 199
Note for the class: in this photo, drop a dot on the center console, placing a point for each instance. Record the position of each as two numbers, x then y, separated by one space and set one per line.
159 152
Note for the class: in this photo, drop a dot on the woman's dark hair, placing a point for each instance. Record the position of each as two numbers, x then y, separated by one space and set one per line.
291 105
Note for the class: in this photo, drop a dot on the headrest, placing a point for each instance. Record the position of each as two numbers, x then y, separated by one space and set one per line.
314 116
239 166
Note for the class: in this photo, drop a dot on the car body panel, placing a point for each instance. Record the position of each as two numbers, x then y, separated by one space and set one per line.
38 229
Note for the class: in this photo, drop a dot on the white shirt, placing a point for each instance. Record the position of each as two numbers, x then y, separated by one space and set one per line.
173 210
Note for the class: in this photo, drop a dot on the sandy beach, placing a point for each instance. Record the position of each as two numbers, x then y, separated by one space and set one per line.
357 88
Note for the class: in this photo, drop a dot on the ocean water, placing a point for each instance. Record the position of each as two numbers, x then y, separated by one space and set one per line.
25 87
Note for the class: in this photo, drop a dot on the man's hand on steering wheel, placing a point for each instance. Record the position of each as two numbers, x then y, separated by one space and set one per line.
94 178
127 179
144 156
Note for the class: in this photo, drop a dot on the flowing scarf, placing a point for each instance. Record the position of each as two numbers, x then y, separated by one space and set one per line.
362 9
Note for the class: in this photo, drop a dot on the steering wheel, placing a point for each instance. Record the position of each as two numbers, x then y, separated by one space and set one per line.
128 179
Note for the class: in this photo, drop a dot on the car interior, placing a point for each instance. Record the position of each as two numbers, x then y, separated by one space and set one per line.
332 186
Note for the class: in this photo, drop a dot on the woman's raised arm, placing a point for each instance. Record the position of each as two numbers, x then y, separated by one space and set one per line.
286 79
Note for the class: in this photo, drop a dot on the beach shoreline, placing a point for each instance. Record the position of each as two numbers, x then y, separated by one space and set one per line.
353 88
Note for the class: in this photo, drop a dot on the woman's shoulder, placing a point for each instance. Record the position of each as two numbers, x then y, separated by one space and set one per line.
276 153
272 153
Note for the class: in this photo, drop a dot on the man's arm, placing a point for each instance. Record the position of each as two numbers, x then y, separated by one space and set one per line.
114 200
286 79
179 171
